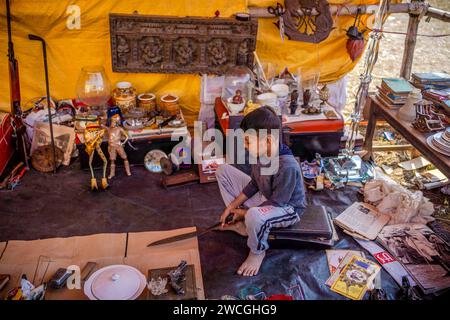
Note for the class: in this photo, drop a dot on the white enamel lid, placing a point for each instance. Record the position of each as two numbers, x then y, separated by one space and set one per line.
116 282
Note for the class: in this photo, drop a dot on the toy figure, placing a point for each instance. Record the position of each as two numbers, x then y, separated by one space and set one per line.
293 105
237 99
306 97
115 145
93 137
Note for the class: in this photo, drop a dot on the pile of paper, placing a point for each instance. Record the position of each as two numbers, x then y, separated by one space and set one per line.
422 252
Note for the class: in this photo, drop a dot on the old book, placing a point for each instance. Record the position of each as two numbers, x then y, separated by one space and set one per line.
353 277
189 286
397 85
334 257
362 219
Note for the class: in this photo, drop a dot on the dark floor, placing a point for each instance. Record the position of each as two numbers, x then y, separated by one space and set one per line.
61 205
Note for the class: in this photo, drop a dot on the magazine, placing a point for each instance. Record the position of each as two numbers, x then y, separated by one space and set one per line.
353 276
362 220
334 257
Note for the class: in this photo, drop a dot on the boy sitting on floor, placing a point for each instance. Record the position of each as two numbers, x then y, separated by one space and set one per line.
265 199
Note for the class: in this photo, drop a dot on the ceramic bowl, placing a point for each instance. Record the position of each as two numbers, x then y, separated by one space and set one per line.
267 99
235 108
281 90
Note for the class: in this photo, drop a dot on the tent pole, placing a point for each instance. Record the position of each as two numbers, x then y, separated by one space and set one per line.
350 10
410 44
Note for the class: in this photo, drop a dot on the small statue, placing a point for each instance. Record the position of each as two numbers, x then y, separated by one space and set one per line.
115 145
93 137
324 95
177 277
293 105
237 99
306 97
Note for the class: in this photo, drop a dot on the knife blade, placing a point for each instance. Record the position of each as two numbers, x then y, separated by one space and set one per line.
176 238
188 235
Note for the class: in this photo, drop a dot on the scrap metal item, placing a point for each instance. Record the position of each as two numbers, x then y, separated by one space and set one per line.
42 159
59 279
177 277
165 44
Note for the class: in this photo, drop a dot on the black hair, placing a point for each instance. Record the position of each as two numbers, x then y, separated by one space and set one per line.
261 118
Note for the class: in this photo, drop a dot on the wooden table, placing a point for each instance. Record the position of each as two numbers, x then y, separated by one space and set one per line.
415 137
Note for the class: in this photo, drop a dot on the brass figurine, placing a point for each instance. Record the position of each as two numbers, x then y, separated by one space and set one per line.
115 145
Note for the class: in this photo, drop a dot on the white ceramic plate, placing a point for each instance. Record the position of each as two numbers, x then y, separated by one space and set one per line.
434 147
152 160
136 287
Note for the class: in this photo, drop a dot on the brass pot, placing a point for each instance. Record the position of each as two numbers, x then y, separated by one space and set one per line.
169 103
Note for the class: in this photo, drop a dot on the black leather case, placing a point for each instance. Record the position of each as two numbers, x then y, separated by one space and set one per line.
315 225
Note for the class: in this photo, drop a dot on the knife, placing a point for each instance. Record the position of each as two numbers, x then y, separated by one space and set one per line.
188 235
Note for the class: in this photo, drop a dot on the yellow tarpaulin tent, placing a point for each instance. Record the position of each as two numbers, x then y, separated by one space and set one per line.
77 35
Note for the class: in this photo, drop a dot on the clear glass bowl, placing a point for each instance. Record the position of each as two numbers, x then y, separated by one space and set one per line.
93 86
238 78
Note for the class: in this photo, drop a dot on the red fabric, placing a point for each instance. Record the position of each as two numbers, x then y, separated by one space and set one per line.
6 141
279 297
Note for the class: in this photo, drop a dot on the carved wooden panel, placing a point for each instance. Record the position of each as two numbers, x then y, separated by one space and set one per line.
164 44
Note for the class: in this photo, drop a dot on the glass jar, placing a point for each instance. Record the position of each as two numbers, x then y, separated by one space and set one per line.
308 81
125 96
93 86
237 88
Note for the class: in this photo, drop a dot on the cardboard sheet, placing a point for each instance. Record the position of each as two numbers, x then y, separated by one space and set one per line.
145 258
39 259
2 247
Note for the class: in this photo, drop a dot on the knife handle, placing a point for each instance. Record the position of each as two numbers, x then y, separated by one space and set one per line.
229 218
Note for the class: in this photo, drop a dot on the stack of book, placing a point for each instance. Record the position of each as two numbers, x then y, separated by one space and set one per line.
440 97
394 91
431 80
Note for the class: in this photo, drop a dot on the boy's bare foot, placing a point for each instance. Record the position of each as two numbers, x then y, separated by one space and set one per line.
250 266
238 227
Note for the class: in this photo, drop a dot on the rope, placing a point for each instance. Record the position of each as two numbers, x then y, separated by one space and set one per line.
405 33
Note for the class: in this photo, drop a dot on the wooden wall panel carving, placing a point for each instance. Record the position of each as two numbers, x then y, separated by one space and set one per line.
164 44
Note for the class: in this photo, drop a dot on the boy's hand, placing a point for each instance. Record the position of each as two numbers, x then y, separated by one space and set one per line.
224 216
238 214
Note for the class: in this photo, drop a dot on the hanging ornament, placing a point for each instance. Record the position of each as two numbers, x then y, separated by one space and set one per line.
304 20
355 41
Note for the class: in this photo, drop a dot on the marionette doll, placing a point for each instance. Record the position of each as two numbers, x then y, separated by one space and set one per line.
117 137
93 137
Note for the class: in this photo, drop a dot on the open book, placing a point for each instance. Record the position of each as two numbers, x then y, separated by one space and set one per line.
362 221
